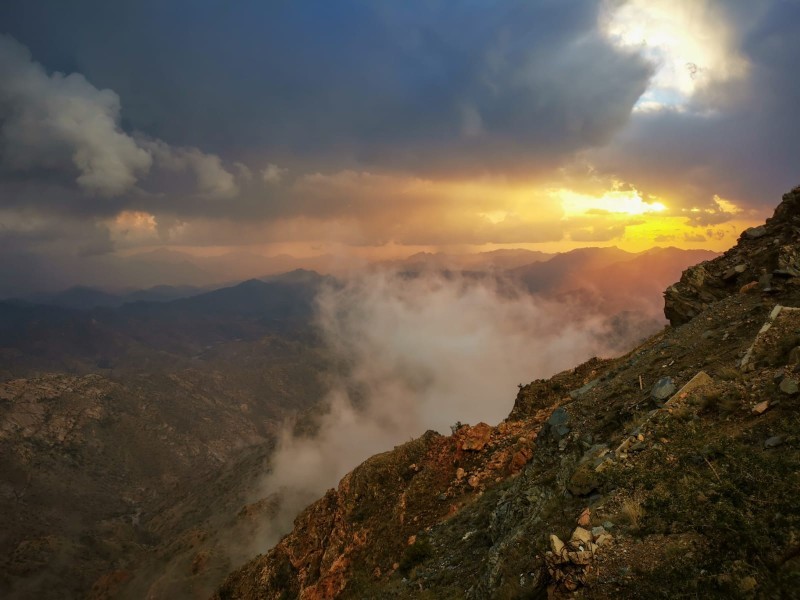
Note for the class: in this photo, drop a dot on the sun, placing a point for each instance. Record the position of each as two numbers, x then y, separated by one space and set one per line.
615 202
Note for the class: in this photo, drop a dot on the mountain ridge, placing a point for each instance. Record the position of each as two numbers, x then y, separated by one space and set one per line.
482 513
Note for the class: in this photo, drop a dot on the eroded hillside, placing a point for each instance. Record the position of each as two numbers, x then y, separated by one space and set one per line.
671 471
115 425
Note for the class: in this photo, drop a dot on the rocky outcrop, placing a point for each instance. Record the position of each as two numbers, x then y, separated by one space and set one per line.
569 563
375 521
763 260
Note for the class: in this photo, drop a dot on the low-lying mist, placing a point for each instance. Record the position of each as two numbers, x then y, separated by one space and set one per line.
422 352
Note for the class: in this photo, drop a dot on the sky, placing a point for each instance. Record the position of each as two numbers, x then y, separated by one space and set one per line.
381 128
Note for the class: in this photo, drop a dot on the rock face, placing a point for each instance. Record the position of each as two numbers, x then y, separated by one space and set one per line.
376 519
764 258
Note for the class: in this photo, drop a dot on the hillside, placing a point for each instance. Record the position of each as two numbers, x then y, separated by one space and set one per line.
117 424
671 471
144 336
136 435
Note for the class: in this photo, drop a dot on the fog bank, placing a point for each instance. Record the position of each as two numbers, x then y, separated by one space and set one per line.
422 352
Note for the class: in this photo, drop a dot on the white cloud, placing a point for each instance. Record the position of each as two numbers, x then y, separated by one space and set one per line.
57 121
422 353
62 122
273 173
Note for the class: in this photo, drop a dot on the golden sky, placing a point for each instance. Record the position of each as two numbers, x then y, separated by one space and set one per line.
384 213
409 126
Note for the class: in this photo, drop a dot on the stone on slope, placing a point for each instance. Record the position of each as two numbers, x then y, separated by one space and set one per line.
663 389
557 423
789 386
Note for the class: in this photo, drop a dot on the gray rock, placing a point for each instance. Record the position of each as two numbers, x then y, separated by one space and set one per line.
794 356
786 273
755 232
663 389
773 442
789 386
598 531
557 423
575 394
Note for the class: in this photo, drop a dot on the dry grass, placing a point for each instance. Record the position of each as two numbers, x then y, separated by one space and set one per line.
730 373
631 513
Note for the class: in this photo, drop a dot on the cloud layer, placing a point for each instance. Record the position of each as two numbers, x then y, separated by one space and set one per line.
422 353
369 124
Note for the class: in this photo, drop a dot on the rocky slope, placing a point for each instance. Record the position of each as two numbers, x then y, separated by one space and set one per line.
669 472
99 474
122 476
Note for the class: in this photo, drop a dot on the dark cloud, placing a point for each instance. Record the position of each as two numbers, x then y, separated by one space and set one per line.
422 85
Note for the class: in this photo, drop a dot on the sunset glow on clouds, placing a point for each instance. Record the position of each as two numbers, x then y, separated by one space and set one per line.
538 125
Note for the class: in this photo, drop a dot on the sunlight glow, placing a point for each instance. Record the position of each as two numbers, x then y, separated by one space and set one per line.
133 226
688 42
495 216
627 202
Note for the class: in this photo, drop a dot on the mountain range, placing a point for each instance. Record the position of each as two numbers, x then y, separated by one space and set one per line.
136 428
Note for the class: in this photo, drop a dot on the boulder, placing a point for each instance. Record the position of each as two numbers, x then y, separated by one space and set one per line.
557 423
475 438
663 389
585 517
789 386
557 546
581 536
753 233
